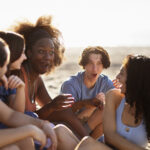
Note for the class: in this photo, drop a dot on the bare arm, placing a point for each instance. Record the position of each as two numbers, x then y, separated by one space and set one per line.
88 103
17 101
16 119
13 135
68 117
59 103
42 96
113 99
53 110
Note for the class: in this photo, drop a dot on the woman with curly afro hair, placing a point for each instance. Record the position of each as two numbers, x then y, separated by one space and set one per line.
44 52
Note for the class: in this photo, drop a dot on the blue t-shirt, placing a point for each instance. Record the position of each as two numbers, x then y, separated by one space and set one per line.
75 86
4 94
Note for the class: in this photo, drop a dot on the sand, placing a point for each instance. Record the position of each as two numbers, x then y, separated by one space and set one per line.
70 65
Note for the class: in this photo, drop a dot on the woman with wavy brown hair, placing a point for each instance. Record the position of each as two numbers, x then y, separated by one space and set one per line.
22 128
44 52
12 87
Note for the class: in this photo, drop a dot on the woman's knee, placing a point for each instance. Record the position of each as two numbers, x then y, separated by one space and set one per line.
25 144
62 130
10 147
83 143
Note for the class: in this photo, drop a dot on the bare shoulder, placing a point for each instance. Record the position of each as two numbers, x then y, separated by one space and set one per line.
114 96
39 81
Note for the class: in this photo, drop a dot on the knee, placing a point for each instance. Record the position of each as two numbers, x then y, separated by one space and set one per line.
87 140
62 132
61 129
11 147
85 143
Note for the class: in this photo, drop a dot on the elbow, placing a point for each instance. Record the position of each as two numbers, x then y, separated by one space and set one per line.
18 108
109 137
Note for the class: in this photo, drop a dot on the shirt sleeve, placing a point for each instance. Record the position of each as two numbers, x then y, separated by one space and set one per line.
109 85
11 91
68 88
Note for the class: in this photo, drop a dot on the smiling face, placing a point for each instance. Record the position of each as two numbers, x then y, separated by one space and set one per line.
93 68
122 77
42 55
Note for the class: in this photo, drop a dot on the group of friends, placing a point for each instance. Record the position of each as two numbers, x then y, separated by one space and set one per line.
92 112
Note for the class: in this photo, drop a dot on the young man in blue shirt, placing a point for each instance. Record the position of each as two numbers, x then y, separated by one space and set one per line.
88 89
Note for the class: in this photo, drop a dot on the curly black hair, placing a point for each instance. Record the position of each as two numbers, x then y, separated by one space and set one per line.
94 50
138 87
42 28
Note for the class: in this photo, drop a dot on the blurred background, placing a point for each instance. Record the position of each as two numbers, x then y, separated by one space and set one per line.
120 26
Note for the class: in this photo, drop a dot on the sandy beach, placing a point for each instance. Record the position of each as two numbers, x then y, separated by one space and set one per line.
70 65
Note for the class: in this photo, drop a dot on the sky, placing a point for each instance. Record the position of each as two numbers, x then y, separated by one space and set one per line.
87 22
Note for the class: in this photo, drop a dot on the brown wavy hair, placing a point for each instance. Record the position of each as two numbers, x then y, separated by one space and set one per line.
138 87
15 42
42 28
3 52
94 50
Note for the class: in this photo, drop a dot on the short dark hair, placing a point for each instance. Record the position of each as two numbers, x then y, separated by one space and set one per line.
15 42
94 50
138 86
3 53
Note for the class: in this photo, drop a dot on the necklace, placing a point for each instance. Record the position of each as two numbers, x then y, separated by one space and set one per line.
31 87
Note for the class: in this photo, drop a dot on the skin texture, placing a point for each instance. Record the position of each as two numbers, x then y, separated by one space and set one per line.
17 64
113 100
94 106
39 59
43 35
16 101
92 70
23 133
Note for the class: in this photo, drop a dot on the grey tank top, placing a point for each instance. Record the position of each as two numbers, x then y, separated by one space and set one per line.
136 134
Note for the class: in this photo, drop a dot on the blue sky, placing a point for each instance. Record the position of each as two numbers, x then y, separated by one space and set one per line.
87 22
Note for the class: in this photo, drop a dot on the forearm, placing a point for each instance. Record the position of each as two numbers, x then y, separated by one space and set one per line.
81 104
10 136
68 117
18 103
120 143
45 111
17 119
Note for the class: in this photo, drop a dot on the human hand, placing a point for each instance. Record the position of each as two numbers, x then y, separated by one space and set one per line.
116 83
5 81
98 101
37 134
50 133
15 82
62 101
101 96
